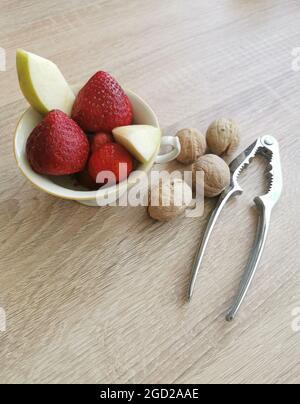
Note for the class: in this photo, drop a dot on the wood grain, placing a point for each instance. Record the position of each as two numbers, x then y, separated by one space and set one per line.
97 294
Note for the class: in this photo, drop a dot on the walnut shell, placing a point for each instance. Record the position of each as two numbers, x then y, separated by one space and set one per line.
223 136
216 174
193 145
169 199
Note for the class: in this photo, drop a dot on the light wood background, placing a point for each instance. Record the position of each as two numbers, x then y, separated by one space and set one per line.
98 294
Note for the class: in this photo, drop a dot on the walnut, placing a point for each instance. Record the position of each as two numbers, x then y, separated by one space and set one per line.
193 145
169 199
223 136
216 174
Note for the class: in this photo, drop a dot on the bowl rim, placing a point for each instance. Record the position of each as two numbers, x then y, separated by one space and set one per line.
92 195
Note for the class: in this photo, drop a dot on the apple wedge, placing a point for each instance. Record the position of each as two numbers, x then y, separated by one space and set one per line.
43 84
142 141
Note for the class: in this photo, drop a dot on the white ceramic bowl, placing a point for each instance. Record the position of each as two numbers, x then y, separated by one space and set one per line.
64 186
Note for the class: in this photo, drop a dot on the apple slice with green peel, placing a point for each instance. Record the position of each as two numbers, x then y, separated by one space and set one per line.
43 84
142 141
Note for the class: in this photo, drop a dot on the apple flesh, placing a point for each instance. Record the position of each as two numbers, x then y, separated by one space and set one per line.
142 141
43 84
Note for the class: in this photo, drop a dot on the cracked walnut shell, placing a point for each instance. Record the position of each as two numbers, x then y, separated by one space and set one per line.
193 145
223 136
216 174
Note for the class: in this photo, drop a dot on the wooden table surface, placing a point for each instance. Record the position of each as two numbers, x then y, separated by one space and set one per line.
98 294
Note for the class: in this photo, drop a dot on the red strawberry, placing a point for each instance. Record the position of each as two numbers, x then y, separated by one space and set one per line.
108 158
99 139
57 146
102 105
